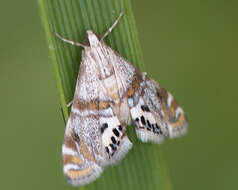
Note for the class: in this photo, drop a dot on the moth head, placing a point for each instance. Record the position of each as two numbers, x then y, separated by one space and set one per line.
92 39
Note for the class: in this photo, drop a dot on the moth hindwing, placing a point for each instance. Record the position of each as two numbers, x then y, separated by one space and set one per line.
109 93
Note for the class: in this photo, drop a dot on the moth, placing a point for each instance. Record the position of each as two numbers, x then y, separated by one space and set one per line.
111 94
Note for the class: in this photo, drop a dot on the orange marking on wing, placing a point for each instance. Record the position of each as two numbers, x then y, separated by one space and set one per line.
172 111
180 121
85 152
93 105
135 85
68 159
130 92
68 142
166 112
173 107
163 95
174 104
104 105
78 173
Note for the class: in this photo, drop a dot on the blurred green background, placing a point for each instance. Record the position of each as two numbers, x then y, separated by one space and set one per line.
190 47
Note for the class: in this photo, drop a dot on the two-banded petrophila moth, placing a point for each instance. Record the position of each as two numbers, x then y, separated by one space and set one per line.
110 94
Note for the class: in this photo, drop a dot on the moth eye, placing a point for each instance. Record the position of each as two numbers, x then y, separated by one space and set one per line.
104 126
137 119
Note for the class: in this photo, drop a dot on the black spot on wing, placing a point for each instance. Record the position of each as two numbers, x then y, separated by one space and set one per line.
103 127
142 118
75 136
116 132
145 108
120 128
113 147
158 129
107 149
146 124
149 126
113 140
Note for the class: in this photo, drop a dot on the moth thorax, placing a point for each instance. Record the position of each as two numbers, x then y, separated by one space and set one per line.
92 39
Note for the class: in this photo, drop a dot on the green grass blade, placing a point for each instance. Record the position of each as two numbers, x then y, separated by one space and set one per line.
143 168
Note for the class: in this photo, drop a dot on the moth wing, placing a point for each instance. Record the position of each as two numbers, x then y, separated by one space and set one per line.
154 111
93 140
79 163
173 114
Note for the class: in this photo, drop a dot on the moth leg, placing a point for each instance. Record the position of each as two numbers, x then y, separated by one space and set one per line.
61 109
69 104
113 26
69 41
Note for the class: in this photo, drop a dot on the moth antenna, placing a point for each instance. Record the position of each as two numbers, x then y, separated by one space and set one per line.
69 41
113 26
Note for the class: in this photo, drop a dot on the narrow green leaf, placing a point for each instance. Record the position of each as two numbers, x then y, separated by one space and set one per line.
143 168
